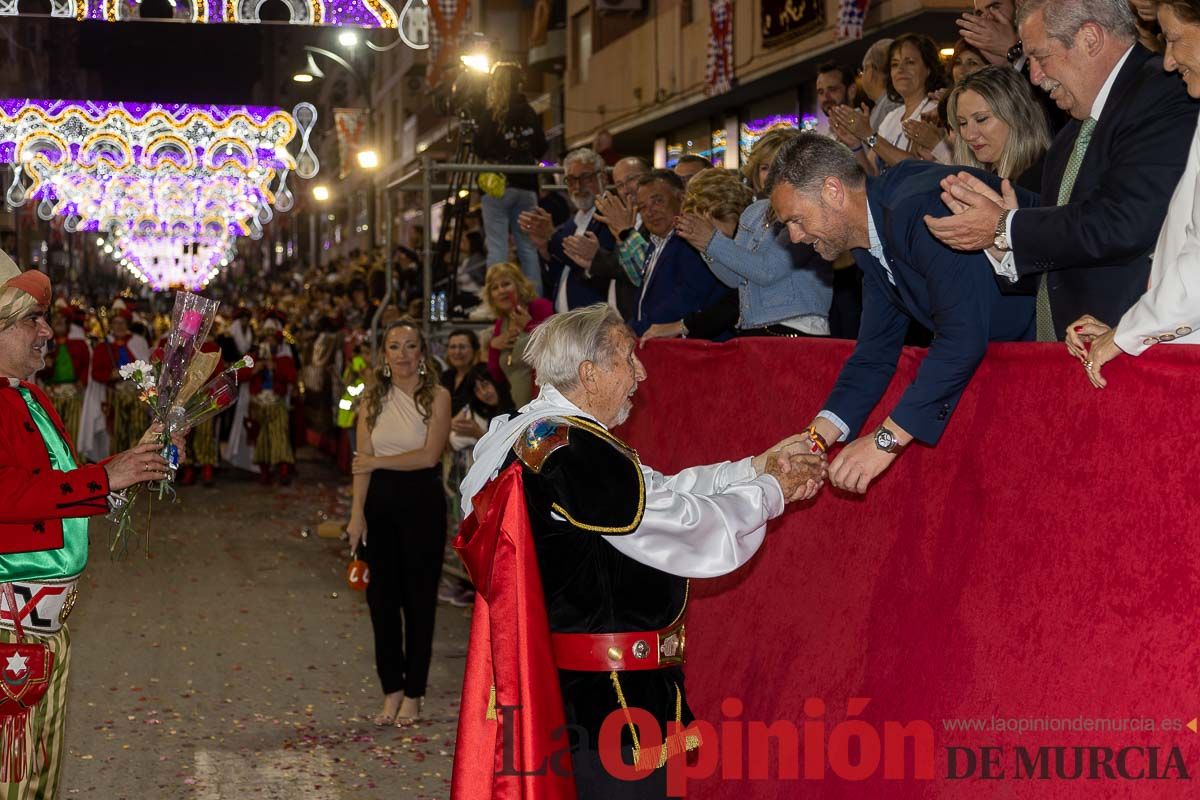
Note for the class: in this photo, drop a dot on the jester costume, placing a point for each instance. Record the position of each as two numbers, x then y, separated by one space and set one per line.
43 550
270 395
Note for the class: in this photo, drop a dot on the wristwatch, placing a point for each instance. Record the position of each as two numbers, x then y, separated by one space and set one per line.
1015 52
1001 240
886 441
871 141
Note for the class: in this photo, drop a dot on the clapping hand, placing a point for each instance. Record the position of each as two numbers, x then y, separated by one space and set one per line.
851 123
613 211
977 208
697 230
990 32
923 134
537 225
581 248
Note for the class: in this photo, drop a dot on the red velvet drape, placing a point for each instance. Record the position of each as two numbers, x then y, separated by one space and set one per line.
1041 562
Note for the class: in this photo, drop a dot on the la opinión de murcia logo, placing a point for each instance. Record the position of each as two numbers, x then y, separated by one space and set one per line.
851 750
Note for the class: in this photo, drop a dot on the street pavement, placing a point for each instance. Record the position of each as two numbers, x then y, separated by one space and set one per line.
234 662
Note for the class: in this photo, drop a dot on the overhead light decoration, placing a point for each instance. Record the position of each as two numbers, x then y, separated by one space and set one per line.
100 165
360 13
165 261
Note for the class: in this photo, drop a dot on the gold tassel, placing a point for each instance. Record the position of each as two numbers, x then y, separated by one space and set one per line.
491 709
14 744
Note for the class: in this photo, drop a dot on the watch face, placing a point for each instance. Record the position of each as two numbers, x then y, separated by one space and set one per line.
884 439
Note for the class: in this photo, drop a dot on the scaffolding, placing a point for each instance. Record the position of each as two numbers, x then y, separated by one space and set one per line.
421 180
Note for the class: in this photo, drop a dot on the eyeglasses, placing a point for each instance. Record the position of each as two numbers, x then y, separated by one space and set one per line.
575 180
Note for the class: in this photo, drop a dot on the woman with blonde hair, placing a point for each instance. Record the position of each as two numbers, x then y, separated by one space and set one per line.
509 132
398 516
783 289
999 126
518 310
762 154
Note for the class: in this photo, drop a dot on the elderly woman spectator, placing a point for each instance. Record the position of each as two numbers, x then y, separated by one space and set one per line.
999 126
398 516
1168 311
518 311
915 73
462 353
784 289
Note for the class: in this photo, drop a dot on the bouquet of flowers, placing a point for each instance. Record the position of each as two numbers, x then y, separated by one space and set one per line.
169 392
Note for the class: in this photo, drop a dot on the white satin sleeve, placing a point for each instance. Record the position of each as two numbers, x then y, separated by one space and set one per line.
704 521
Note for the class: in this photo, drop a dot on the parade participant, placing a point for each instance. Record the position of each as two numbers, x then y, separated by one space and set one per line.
274 374
66 373
127 414
580 556
240 450
43 537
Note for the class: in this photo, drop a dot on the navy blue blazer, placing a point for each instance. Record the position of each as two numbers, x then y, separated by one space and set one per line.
680 284
1096 250
953 294
581 290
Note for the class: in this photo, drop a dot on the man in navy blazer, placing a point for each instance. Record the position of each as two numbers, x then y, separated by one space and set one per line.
823 196
1087 244
569 285
676 282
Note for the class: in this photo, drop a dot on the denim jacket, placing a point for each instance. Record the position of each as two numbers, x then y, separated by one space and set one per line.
776 280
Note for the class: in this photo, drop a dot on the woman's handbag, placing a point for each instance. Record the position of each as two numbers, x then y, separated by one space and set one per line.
25 669
358 574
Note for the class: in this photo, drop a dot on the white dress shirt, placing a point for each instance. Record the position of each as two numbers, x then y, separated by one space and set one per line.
1169 311
657 243
1007 266
700 523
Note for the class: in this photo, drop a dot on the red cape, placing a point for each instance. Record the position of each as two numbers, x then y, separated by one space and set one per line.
509 653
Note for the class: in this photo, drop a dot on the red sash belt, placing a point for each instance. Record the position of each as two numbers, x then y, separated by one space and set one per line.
619 652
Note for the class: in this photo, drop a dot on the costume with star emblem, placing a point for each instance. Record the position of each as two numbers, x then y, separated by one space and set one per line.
43 550
581 557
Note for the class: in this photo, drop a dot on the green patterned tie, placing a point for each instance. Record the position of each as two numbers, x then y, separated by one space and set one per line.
1045 321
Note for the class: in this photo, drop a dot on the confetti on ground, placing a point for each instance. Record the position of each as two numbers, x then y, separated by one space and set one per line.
236 663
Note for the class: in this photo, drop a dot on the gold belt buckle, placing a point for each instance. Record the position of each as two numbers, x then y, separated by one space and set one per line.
672 644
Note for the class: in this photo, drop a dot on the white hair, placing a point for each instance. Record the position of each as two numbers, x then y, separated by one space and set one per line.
1064 18
877 55
586 155
559 345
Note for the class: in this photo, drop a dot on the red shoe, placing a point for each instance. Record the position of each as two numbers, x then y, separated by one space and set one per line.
187 475
264 474
286 473
206 475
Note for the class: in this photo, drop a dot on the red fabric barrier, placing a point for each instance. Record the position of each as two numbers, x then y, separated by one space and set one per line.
1040 562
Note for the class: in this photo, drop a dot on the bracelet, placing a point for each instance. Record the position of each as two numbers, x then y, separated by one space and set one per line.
818 440
858 149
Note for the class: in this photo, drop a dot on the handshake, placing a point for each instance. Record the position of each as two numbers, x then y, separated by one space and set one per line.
800 473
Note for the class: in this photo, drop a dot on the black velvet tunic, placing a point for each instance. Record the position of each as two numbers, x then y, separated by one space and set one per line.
581 484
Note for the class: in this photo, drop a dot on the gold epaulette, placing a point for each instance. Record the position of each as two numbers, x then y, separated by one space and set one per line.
540 439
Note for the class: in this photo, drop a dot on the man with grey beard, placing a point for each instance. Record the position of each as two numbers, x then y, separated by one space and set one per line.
1107 177
573 287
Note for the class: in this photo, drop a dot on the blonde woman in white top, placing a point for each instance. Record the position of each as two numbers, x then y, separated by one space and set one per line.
398 520
915 72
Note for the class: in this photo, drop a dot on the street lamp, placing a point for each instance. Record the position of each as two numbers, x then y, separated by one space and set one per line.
321 193
348 39
477 57
310 72
368 159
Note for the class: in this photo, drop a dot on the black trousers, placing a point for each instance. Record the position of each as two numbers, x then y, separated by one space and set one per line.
594 782
406 531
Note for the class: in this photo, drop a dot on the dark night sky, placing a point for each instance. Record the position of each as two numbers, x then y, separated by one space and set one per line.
183 62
